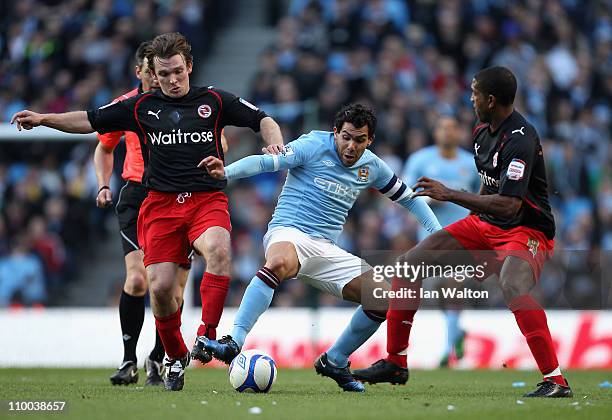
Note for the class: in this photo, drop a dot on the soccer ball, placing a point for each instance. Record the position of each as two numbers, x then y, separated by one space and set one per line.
252 371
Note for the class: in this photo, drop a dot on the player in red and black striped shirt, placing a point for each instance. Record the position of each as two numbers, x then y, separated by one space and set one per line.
129 201
177 127
511 216
131 196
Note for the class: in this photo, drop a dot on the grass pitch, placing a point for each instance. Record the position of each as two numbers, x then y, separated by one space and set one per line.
301 394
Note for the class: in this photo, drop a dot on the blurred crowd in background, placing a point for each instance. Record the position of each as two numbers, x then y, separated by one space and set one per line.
411 60
58 56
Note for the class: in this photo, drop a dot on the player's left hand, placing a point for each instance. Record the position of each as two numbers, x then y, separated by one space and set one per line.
214 167
273 149
431 188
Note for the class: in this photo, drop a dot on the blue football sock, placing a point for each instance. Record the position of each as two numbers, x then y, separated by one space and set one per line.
354 335
452 330
257 298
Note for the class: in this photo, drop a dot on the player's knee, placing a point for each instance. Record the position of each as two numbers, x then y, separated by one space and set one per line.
377 315
516 283
511 289
161 288
136 283
411 256
279 265
219 260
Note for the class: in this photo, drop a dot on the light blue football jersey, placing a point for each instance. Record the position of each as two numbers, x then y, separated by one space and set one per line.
319 190
458 173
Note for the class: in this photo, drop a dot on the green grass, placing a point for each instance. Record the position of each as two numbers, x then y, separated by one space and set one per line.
300 394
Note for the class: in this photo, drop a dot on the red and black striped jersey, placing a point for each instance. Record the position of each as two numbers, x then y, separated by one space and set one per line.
175 134
510 162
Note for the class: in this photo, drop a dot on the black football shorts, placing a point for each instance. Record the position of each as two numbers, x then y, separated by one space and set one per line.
128 205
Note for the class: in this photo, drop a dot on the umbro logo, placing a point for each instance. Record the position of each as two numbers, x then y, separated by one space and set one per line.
328 163
520 130
156 114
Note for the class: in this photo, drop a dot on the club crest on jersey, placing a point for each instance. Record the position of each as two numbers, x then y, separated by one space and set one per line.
533 244
516 170
495 159
204 111
287 151
363 174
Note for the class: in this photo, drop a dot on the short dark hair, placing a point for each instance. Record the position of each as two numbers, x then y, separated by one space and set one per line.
358 115
499 82
141 52
168 45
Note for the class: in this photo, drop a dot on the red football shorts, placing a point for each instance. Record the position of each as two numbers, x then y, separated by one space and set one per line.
526 243
168 223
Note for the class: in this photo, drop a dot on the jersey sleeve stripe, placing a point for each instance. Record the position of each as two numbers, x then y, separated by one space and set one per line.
389 185
276 162
408 191
397 187
399 192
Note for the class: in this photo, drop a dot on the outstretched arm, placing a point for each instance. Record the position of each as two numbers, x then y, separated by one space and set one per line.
68 122
399 192
245 167
421 211
498 205
396 190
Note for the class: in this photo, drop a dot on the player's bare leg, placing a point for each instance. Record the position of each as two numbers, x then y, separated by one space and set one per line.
182 277
516 280
162 284
400 316
365 322
131 316
215 246
281 262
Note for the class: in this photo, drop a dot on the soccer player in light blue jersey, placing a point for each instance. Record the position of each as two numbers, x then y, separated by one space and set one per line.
453 166
327 172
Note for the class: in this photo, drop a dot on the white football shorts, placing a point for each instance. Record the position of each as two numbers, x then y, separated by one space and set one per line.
323 264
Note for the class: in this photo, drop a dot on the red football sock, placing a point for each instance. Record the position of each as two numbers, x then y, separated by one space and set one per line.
399 321
213 291
531 320
169 328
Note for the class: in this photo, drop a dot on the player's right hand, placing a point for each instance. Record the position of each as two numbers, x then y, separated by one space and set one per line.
26 119
104 198
273 149
214 167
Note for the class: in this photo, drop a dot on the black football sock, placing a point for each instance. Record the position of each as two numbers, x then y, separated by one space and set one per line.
131 314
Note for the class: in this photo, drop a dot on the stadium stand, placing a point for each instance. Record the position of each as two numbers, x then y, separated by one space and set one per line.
411 60
58 56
